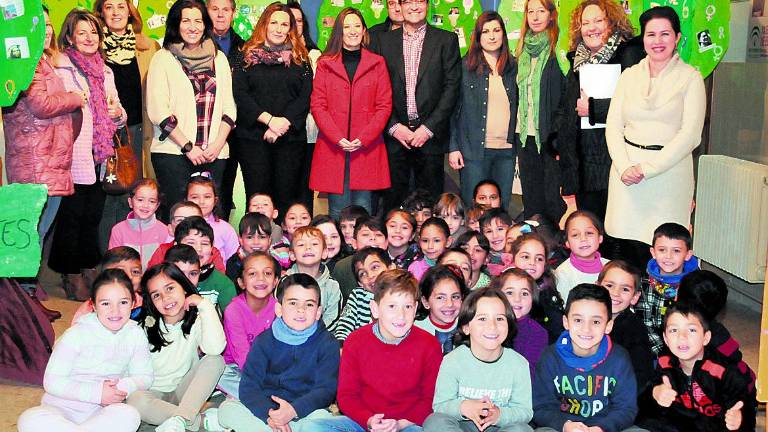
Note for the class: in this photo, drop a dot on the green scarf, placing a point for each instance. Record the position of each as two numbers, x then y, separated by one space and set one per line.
536 45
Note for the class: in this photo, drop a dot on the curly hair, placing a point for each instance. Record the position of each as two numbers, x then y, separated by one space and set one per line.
618 22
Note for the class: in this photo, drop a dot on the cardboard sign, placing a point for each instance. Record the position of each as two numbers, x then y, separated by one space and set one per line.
22 35
20 209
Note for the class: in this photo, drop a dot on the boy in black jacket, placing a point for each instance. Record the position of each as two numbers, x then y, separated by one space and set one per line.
696 387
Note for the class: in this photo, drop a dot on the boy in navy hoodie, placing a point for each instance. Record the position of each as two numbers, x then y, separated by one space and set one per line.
583 381
292 370
672 259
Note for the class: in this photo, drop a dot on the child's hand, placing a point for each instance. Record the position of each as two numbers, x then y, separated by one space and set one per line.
110 394
284 413
403 423
278 428
663 393
475 410
571 426
733 416
377 423
493 416
595 429
192 300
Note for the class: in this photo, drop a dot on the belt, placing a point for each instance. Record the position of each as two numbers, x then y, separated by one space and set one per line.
648 147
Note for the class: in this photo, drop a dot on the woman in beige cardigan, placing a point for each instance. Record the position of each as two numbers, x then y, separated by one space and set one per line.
654 124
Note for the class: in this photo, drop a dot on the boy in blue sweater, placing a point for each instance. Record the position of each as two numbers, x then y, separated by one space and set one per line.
583 382
292 370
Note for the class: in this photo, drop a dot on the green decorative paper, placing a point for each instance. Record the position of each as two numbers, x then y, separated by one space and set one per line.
58 10
154 13
373 11
22 36
246 16
20 208
513 14
458 16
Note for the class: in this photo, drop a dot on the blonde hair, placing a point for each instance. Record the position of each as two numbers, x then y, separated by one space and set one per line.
614 13
552 29
259 35
308 231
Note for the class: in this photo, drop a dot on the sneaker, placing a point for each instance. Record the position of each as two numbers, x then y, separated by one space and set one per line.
211 420
173 424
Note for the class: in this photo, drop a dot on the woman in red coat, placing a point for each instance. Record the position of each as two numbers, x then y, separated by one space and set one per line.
351 102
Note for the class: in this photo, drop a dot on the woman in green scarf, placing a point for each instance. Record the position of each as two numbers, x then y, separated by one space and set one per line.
540 84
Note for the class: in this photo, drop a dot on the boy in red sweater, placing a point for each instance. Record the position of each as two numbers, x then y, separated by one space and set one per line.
388 368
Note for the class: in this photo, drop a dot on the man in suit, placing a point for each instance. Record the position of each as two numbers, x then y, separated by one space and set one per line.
424 67
222 13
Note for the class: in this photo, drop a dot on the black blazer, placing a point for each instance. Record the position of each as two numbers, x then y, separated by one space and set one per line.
437 88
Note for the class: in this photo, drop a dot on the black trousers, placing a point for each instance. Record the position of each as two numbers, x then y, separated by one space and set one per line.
426 170
75 244
173 173
594 202
540 181
228 184
275 169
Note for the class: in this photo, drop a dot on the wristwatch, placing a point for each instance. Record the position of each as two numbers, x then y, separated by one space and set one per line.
186 148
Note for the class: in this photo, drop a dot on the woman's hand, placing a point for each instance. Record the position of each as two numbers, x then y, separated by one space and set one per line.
279 125
196 155
83 98
350 146
113 107
456 160
582 105
632 175
270 136
211 153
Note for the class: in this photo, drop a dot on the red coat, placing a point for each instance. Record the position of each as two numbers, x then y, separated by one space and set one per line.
39 135
370 100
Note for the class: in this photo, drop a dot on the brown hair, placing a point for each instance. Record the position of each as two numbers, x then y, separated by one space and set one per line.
134 17
308 231
475 59
395 281
147 182
259 35
585 214
53 49
626 268
552 29
70 22
335 43
614 13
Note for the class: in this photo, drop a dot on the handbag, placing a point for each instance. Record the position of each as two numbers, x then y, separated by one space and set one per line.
121 170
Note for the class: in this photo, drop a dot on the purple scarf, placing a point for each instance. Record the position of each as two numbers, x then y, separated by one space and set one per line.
268 56
587 266
92 68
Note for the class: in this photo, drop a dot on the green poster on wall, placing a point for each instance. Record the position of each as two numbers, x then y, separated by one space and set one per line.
22 35
246 16
458 16
374 12
511 12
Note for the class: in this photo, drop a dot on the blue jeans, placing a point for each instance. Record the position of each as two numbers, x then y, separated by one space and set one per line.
344 424
47 217
497 164
337 202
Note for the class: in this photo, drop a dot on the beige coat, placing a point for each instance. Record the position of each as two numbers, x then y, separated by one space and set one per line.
669 111
145 49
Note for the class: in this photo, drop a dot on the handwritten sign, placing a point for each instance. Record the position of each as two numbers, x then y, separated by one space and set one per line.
20 208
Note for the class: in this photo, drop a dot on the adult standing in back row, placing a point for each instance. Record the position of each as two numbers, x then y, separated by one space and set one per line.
425 71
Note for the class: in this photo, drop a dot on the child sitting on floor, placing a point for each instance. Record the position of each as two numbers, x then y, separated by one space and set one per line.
276 390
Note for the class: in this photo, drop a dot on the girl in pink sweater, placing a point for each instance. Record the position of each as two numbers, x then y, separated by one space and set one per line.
141 230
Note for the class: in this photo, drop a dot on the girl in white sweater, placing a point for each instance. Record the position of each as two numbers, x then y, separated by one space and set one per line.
95 365
178 323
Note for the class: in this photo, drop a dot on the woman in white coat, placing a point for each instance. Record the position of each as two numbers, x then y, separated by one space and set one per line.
654 124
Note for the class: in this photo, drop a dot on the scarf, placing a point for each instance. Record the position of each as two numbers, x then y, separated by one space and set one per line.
92 68
197 59
289 336
267 55
592 266
536 45
564 347
120 49
584 55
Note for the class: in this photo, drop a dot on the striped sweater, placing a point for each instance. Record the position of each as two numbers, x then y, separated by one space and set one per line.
356 313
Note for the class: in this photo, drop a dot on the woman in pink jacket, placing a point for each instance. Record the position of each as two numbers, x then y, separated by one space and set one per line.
74 250
351 103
